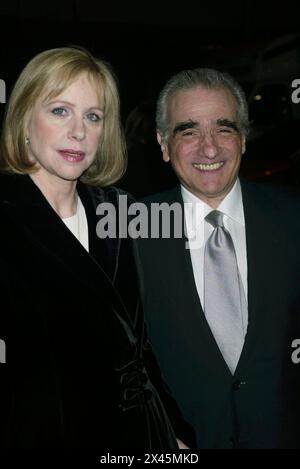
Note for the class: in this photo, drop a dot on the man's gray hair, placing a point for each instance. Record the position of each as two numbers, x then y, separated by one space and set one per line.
207 78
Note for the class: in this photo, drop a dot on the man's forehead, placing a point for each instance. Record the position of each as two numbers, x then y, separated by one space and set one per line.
201 103
202 93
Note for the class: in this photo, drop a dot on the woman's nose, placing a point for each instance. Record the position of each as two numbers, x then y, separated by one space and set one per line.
77 129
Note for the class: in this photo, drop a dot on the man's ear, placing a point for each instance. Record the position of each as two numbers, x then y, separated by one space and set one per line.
163 147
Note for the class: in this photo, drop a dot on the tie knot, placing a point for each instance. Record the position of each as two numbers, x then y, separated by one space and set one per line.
215 218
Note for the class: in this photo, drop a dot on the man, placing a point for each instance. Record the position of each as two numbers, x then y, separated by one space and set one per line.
224 314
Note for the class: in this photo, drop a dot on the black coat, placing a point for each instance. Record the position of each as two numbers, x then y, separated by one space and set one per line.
77 355
260 405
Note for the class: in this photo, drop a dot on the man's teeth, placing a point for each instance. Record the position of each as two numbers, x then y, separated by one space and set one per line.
208 167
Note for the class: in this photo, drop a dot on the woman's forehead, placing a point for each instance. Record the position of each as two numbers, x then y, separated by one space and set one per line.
59 83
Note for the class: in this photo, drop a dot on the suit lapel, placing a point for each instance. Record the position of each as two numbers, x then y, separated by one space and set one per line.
262 257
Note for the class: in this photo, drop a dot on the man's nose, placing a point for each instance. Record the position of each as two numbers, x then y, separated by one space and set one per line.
77 128
208 146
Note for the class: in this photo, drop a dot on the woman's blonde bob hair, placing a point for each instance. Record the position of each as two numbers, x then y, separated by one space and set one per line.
46 76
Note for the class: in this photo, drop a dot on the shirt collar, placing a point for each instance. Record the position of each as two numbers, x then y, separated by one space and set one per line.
231 205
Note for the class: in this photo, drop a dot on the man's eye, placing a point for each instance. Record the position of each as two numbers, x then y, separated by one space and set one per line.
59 111
188 133
92 116
226 130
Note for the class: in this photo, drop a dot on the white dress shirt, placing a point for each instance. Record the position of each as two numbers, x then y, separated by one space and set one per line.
195 212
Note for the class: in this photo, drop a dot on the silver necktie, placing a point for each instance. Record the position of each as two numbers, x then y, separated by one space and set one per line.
224 297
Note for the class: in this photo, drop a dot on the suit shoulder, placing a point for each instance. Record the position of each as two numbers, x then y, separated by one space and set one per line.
283 197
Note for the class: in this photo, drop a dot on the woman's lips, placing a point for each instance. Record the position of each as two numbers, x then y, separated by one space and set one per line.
72 156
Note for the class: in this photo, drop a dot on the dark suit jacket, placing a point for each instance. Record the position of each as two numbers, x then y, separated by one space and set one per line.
260 405
77 356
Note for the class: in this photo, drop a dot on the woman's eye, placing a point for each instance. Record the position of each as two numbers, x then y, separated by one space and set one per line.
59 111
93 117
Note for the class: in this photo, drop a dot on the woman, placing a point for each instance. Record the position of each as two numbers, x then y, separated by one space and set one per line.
77 359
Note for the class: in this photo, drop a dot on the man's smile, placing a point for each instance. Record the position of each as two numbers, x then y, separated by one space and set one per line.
208 167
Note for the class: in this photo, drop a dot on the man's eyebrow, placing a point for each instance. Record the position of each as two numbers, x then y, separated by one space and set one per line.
228 123
181 126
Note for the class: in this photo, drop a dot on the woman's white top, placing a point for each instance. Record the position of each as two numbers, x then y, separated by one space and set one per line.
78 225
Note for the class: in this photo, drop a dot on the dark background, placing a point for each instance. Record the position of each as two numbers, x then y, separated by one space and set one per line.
147 42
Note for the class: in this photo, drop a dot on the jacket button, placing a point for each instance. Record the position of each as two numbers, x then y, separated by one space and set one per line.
237 384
